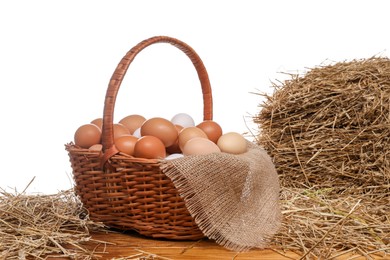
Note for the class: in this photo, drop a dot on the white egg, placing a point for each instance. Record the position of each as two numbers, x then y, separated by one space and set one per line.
137 132
183 120
174 156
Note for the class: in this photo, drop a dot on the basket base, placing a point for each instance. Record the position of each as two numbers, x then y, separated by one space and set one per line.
157 231
136 196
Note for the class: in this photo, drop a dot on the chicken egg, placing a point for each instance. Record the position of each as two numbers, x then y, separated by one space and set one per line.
96 147
233 143
161 128
212 129
174 156
189 133
183 119
87 135
137 132
98 122
126 143
175 147
149 147
132 122
199 146
120 130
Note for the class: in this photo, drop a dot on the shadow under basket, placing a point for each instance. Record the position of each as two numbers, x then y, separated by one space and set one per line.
129 193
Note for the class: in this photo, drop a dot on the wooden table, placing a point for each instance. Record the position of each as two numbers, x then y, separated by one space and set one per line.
123 246
115 245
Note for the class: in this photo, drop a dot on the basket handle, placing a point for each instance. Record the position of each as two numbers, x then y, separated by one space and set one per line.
119 73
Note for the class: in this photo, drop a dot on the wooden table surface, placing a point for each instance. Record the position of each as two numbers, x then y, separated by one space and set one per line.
122 246
133 246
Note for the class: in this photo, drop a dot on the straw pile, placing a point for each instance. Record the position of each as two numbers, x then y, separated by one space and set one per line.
40 226
328 132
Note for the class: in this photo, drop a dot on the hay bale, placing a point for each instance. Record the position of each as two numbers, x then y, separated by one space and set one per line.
328 132
44 226
331 127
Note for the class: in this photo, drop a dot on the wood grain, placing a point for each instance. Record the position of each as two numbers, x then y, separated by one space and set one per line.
114 245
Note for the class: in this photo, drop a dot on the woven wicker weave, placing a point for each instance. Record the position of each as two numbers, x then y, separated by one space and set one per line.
132 193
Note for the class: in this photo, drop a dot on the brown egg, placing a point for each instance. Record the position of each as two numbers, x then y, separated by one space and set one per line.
200 145
161 128
212 129
120 130
189 133
126 143
87 135
132 122
175 147
149 147
233 143
98 122
96 147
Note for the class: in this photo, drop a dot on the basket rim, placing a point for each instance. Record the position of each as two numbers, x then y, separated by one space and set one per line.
72 148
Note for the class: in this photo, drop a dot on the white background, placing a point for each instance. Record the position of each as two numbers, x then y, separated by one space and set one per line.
56 58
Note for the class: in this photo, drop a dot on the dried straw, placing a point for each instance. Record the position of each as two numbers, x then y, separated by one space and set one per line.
142 255
38 226
328 132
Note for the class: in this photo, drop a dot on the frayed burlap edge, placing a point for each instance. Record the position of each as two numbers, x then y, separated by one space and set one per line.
234 199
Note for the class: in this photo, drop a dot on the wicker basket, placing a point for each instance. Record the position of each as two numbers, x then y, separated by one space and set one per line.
131 193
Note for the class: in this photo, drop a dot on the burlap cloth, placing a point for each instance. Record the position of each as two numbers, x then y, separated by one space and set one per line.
234 199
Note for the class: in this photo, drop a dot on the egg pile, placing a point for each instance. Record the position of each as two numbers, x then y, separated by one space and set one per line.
158 138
